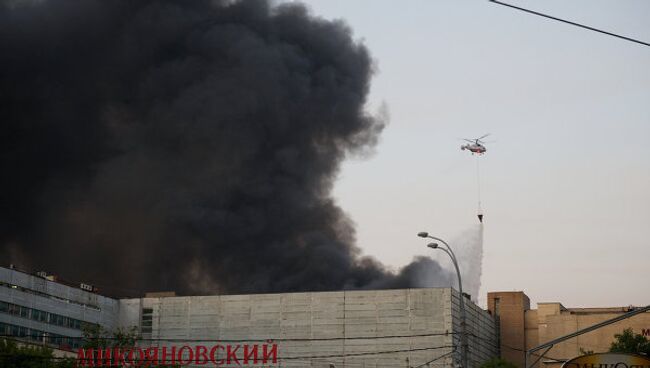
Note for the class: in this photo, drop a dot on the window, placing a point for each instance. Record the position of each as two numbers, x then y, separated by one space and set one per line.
39 315
35 292
146 324
76 343
54 339
42 316
24 312
497 301
35 335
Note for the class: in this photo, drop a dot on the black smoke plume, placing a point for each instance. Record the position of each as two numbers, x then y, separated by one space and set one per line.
184 145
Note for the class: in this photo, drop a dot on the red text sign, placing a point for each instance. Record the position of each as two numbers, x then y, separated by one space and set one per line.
218 355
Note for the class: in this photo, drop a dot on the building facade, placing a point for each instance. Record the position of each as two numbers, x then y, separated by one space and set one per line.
372 328
522 328
40 310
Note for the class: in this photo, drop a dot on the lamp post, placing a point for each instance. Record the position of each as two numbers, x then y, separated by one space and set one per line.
463 334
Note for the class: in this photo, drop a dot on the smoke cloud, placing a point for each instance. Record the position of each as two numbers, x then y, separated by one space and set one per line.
184 145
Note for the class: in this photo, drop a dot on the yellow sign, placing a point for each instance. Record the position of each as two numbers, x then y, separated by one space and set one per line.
609 360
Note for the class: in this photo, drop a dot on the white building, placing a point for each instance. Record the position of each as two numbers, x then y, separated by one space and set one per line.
44 311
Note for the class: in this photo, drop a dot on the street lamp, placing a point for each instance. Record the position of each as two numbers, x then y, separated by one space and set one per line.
463 334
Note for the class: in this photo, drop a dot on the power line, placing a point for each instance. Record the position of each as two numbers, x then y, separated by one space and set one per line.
304 357
368 353
571 23
239 340
522 350
535 354
438 358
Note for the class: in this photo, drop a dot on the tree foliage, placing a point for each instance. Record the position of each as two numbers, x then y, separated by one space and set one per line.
97 337
629 342
585 352
498 363
15 355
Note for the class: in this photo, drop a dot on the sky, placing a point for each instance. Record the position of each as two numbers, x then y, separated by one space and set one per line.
565 184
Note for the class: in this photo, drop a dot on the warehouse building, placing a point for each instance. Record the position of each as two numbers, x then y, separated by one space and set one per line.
370 328
363 328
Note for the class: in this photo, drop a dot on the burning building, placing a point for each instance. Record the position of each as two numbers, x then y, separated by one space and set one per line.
368 328
195 144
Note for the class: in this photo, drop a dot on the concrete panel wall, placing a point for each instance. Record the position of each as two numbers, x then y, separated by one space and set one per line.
320 329
481 330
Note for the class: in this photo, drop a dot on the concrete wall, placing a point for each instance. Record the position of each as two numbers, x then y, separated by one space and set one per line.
386 328
522 328
324 324
509 308
532 329
556 321
482 329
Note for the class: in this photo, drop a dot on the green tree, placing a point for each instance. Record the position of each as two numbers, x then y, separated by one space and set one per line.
586 352
97 337
498 363
14 355
629 342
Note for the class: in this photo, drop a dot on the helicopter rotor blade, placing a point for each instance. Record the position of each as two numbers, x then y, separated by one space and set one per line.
482 137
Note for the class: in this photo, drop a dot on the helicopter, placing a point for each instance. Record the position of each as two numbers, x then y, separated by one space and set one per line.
476 145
